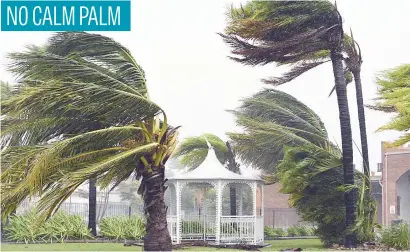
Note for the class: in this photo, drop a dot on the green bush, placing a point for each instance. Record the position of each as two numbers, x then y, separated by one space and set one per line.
303 230
274 232
279 232
63 226
123 227
396 236
293 231
23 228
60 227
268 231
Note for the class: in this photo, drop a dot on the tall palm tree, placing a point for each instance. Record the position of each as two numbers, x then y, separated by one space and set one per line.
393 96
288 32
193 150
86 94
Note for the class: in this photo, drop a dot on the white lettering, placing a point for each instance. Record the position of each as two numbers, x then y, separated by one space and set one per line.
83 15
112 18
93 16
55 16
47 16
34 15
67 19
25 16
102 18
12 15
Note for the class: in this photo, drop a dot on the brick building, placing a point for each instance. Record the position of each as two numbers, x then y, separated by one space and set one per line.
395 168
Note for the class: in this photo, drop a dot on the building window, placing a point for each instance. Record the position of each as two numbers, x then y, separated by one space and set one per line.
398 205
379 167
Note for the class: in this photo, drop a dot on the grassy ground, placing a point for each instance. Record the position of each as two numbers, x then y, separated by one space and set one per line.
305 244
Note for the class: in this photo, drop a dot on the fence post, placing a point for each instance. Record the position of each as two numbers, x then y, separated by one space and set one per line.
273 220
129 211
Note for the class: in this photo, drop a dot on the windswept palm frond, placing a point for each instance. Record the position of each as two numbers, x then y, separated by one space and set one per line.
271 120
394 96
193 150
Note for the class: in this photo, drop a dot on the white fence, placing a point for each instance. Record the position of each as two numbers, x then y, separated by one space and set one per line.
103 210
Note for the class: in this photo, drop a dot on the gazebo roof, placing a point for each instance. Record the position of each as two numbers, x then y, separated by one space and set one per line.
211 169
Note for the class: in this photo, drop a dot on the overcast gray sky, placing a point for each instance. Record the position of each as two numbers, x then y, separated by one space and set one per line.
190 76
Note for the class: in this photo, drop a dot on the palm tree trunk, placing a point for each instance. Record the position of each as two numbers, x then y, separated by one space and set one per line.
92 206
232 198
157 237
362 125
347 143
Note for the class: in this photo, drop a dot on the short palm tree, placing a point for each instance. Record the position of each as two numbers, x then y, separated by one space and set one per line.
288 140
85 99
393 96
285 32
193 150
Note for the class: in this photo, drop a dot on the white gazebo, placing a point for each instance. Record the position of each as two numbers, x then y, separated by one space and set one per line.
217 225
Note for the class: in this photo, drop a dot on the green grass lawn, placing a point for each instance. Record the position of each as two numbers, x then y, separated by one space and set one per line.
305 244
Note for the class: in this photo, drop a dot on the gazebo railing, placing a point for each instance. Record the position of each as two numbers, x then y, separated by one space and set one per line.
198 227
234 229
172 227
237 228
259 235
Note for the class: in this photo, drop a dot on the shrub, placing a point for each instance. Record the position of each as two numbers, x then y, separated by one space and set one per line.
23 228
63 226
279 232
59 227
396 236
274 232
303 230
293 231
122 227
269 231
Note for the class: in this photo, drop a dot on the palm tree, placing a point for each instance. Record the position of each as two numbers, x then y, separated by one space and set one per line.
193 150
393 93
86 93
288 32
287 139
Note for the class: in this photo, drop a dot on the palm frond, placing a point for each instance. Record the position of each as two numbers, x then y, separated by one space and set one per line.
272 119
394 96
193 150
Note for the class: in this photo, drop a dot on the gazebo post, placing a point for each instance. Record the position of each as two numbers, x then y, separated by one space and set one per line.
254 189
218 212
178 206
240 201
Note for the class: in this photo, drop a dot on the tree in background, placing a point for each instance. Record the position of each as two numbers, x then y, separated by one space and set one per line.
288 32
394 97
79 79
5 90
193 150
287 139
